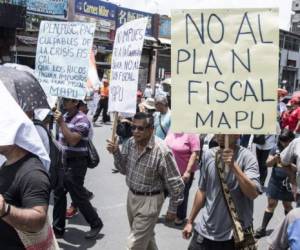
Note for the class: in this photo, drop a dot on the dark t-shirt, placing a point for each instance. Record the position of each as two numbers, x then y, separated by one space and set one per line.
24 184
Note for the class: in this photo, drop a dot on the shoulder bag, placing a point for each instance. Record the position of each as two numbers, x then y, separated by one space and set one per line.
161 126
244 240
93 156
42 240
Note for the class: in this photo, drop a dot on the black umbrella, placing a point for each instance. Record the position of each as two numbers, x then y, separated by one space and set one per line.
24 87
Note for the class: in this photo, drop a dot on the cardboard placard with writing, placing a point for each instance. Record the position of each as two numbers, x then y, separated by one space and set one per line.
125 65
225 70
62 58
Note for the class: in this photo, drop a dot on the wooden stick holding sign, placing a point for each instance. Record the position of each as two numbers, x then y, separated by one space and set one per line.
114 127
226 146
226 141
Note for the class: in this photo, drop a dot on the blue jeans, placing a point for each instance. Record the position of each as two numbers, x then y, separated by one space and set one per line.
181 209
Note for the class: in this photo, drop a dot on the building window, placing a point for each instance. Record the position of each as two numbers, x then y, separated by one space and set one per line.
291 43
281 41
291 63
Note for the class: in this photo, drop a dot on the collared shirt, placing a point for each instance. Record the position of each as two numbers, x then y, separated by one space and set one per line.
78 123
151 170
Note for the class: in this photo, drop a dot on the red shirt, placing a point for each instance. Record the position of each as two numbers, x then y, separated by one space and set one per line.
293 119
285 119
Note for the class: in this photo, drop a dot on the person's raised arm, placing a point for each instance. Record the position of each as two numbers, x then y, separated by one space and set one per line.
72 138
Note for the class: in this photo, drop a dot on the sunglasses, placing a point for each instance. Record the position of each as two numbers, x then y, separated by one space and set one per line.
139 128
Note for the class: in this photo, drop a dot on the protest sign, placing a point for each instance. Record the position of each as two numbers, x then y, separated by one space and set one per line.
225 70
62 58
126 58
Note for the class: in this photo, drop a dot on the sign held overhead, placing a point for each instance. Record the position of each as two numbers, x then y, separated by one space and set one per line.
125 65
62 59
225 70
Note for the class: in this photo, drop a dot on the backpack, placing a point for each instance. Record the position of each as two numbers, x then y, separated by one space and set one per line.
55 155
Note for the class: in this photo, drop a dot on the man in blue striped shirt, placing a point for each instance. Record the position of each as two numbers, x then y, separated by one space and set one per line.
73 136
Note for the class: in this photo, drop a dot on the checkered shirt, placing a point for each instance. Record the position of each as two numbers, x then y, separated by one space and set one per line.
154 169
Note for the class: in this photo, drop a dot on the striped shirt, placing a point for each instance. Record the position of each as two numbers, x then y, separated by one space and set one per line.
78 123
152 170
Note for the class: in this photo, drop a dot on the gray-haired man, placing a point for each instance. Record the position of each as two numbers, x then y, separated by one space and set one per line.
148 165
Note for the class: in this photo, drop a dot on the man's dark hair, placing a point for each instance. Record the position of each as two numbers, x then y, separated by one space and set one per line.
144 116
286 135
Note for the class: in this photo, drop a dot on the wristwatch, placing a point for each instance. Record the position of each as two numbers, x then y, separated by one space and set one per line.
6 210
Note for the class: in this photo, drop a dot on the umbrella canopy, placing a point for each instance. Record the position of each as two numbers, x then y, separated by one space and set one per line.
282 92
24 87
19 67
17 129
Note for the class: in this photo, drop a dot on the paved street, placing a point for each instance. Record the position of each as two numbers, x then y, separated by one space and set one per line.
110 200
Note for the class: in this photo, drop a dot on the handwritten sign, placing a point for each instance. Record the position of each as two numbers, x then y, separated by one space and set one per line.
125 65
225 70
62 59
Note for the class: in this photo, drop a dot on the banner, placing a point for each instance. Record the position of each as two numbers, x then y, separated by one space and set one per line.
126 15
225 70
53 8
96 8
62 58
93 81
164 27
125 65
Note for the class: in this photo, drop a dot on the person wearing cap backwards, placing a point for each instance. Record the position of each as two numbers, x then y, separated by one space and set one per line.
74 130
103 103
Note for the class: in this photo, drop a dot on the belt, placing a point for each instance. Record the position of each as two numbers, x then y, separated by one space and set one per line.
145 193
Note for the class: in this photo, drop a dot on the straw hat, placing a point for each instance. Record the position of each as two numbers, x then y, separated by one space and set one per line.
149 103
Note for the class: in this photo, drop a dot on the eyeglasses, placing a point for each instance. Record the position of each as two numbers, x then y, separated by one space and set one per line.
139 128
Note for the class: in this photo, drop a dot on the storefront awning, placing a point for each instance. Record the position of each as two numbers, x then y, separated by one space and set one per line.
150 38
165 41
103 63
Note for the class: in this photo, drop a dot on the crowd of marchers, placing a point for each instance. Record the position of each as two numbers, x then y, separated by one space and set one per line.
159 166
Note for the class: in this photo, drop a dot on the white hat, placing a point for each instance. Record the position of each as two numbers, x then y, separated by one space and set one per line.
149 103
